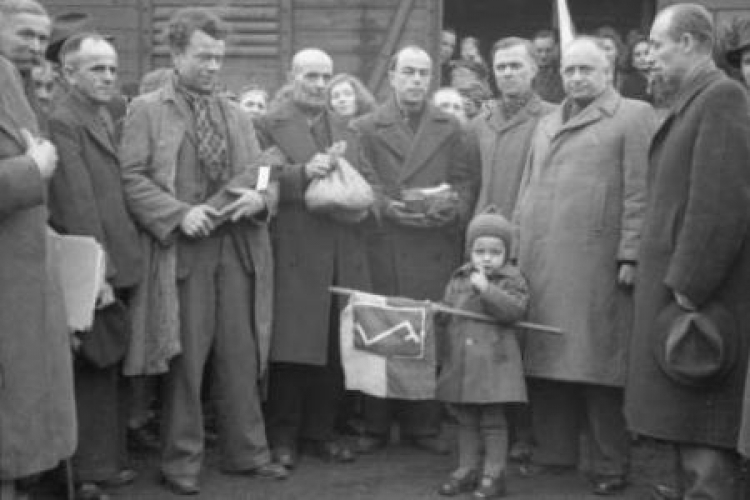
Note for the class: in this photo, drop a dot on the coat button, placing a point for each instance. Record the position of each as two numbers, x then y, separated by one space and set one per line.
469 342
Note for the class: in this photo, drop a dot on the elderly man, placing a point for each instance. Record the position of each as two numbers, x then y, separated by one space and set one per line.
187 157
502 137
313 252
86 199
547 82
411 144
694 262
37 413
580 218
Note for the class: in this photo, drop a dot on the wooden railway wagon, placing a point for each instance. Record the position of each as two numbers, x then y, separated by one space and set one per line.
360 35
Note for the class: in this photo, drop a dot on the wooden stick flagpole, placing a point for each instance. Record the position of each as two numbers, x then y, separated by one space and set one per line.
459 312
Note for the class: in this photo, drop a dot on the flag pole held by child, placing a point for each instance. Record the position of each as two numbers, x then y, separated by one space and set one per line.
460 312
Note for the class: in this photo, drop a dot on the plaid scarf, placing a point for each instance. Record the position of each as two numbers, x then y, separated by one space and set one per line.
212 144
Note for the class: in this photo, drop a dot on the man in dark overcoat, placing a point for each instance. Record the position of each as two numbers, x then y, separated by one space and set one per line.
694 258
412 144
37 412
86 199
189 165
312 252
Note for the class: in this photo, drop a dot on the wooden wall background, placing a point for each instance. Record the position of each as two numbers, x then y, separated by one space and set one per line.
266 33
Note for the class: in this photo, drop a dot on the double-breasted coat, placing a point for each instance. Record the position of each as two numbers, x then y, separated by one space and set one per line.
502 145
694 242
37 409
580 217
408 261
481 362
312 251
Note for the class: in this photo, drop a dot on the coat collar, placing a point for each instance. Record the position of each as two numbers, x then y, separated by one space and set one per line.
700 79
414 150
495 119
88 114
603 106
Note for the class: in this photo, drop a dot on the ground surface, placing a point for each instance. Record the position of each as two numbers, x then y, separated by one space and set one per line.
395 473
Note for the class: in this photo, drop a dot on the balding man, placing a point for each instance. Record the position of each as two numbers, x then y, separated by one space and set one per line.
312 252
188 157
580 216
411 144
694 262
37 413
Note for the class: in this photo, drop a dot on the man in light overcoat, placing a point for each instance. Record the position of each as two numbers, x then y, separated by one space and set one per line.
580 216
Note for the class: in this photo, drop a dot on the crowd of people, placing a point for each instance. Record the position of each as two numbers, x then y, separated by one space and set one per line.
600 188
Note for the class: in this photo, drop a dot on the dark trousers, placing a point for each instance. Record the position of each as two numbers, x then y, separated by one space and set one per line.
417 418
304 400
216 316
562 411
101 416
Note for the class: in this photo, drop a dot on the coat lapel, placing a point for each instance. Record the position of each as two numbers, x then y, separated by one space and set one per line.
292 133
433 131
92 122
604 105
702 79
393 130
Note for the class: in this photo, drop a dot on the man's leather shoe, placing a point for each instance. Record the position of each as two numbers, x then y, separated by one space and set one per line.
370 444
90 491
285 456
121 478
184 485
456 485
490 487
432 444
331 451
665 492
609 485
271 471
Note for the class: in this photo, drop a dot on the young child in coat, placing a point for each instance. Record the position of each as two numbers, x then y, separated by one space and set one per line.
481 368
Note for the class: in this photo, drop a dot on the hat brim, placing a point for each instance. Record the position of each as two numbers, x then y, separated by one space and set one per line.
671 319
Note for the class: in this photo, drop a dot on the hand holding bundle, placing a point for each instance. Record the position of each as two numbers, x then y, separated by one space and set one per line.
342 193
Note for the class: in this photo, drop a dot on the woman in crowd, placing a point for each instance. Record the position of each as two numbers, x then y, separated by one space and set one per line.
470 50
348 98
254 99
634 82
611 43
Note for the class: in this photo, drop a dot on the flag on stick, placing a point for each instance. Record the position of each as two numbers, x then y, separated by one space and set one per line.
388 347
565 23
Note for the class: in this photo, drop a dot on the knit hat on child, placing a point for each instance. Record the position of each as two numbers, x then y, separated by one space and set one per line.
489 223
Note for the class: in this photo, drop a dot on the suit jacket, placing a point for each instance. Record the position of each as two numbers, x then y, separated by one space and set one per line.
37 410
86 196
415 262
312 251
